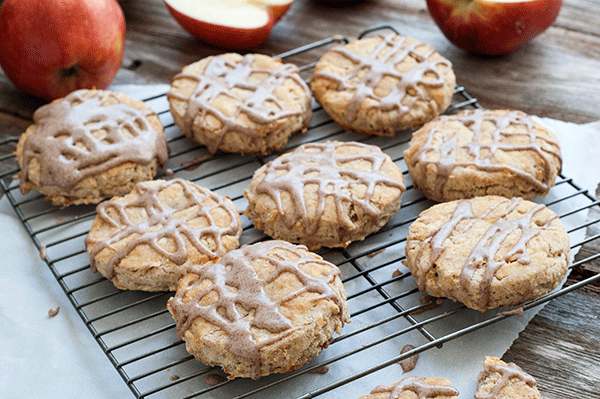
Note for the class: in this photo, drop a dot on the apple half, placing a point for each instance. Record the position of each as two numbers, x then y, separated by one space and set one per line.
493 27
229 24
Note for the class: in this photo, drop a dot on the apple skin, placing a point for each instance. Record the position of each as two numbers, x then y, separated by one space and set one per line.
227 37
492 28
53 47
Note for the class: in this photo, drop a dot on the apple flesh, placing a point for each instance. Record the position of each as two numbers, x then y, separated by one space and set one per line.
493 27
230 24
53 47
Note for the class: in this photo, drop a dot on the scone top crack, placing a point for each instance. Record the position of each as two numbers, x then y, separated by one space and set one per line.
84 135
483 152
265 308
488 252
325 194
249 104
382 84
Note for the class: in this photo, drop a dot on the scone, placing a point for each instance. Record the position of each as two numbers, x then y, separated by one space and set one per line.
415 388
90 145
147 239
325 194
488 252
382 84
249 104
500 380
261 309
477 152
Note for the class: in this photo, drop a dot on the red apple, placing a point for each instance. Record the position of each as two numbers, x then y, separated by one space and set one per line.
493 27
52 47
230 24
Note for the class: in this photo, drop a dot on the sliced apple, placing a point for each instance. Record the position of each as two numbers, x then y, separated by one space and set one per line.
230 24
493 27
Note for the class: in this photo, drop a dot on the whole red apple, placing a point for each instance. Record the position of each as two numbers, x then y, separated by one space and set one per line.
231 24
52 47
493 27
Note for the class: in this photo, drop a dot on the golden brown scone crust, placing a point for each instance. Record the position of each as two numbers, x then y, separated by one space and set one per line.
476 153
367 88
415 388
252 290
325 194
110 178
488 252
147 239
500 380
248 104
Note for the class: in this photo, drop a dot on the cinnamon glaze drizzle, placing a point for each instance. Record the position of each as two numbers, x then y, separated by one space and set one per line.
236 283
418 386
482 154
381 63
164 222
318 164
484 252
71 152
219 79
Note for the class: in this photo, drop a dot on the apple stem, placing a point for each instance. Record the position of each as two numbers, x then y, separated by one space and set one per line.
72 71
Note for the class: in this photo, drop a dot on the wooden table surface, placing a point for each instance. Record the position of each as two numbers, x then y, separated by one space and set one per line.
556 75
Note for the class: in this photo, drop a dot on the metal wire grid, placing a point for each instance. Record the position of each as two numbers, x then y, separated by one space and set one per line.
136 332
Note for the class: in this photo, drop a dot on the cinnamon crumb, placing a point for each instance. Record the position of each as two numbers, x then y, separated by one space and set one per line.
213 379
396 273
53 311
373 254
169 173
516 311
320 370
409 363
174 377
190 165
42 248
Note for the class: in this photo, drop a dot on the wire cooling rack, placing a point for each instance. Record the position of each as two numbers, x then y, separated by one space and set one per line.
137 333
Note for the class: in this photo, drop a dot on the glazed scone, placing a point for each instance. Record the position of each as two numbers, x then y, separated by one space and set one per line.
477 152
261 309
415 388
249 104
382 84
325 194
147 239
488 252
500 380
90 145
